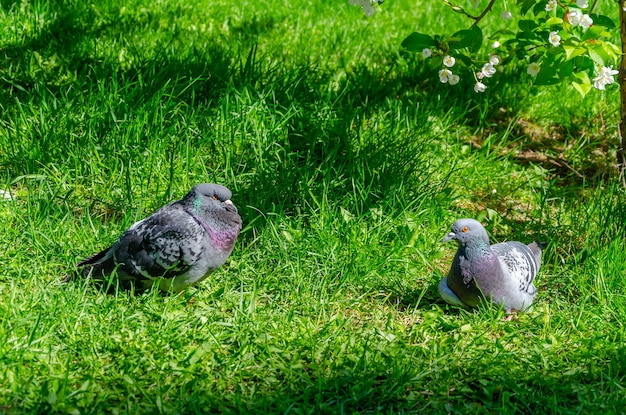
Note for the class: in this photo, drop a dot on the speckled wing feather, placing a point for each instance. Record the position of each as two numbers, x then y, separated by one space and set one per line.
165 244
519 263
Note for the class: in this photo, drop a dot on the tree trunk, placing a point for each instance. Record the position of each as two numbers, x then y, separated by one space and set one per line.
621 156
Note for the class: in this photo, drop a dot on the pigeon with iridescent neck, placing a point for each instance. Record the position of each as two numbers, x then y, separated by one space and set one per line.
502 273
177 246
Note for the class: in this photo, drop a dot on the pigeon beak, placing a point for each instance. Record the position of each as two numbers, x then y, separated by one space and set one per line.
228 202
449 237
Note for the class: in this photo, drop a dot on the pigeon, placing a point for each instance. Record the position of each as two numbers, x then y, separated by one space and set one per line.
177 246
502 273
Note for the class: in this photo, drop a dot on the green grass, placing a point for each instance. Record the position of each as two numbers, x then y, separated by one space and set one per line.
348 162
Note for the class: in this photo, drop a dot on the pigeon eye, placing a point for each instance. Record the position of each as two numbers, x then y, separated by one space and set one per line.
214 197
464 229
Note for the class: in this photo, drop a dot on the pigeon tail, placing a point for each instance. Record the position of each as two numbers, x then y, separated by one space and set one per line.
98 264
537 247
448 295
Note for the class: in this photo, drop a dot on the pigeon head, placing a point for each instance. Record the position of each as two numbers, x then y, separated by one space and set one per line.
210 196
465 231
213 191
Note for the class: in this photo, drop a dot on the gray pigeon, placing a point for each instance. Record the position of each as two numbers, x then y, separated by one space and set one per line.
503 273
175 247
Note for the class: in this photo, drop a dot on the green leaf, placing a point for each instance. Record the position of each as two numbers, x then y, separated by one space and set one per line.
528 38
598 54
555 55
466 60
554 21
601 20
540 7
595 32
611 49
456 8
527 25
526 5
581 83
434 62
566 69
416 42
471 39
573 49
547 75
583 63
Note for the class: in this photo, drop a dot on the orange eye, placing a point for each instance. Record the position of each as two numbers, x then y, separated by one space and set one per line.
214 197
465 229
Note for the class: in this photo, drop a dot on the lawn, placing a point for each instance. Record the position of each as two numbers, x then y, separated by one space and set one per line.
348 161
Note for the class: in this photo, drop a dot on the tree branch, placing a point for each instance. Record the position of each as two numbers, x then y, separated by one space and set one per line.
621 156
458 9
476 19
484 13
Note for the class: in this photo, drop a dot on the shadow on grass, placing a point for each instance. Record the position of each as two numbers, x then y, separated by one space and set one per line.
62 53
440 386
318 152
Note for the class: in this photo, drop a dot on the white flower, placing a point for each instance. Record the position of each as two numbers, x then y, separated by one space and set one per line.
444 75
449 61
494 60
586 21
5 195
480 87
506 15
427 53
583 4
488 70
480 75
551 5
533 69
366 5
574 17
605 77
608 71
554 38
599 83
495 45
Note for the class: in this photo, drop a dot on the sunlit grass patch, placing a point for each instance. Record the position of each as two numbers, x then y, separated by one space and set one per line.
348 162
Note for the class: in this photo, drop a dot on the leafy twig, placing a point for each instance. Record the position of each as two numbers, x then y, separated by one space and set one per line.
484 13
476 19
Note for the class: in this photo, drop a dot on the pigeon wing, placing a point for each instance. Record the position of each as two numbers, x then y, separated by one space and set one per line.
166 244
519 263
